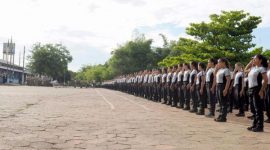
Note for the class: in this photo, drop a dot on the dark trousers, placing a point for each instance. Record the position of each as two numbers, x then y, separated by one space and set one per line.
239 99
210 98
150 91
186 95
201 98
164 93
145 91
180 95
174 95
159 93
194 98
169 93
231 100
258 106
223 101
267 102
246 99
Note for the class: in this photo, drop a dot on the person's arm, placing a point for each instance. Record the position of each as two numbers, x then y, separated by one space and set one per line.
231 83
188 85
202 84
264 85
248 67
228 81
214 82
243 85
192 86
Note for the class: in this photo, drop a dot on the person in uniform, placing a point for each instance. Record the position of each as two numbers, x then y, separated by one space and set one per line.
237 87
185 86
267 99
158 85
163 82
222 82
231 100
145 81
192 87
150 85
141 84
179 86
168 85
257 82
174 86
210 88
200 88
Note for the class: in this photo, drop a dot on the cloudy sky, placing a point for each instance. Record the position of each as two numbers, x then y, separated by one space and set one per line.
91 29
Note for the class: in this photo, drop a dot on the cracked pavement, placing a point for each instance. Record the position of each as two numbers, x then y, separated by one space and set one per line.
43 118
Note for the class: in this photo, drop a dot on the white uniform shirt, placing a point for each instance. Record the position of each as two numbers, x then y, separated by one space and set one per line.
193 73
209 73
238 75
253 76
223 72
199 75
164 76
174 78
150 78
268 76
179 76
169 75
186 75
145 78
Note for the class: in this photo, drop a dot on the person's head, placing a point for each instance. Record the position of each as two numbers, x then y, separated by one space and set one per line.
211 62
165 70
223 63
201 66
180 66
238 66
158 71
193 65
185 66
171 69
176 68
260 60
268 61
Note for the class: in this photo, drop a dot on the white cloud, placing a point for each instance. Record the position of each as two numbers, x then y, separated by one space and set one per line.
98 26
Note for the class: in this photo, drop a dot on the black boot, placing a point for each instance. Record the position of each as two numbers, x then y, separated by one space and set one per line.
250 128
240 114
200 112
193 111
186 108
257 129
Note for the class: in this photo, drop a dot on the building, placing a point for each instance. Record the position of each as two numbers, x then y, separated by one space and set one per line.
11 73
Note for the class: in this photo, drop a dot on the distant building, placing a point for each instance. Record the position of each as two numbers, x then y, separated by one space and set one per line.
11 74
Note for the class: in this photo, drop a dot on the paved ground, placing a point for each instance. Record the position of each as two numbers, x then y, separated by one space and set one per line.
68 118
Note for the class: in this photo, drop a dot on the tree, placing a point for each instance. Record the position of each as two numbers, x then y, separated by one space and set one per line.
230 33
50 60
226 35
133 56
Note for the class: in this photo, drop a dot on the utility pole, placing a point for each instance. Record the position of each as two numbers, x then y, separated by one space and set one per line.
20 58
23 65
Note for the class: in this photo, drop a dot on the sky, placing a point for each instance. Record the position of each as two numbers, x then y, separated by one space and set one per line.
91 29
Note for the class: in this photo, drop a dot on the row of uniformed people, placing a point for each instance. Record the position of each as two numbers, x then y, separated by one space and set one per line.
241 88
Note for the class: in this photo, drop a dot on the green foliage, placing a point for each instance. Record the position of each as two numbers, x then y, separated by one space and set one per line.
229 31
95 73
226 35
133 56
49 59
266 53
